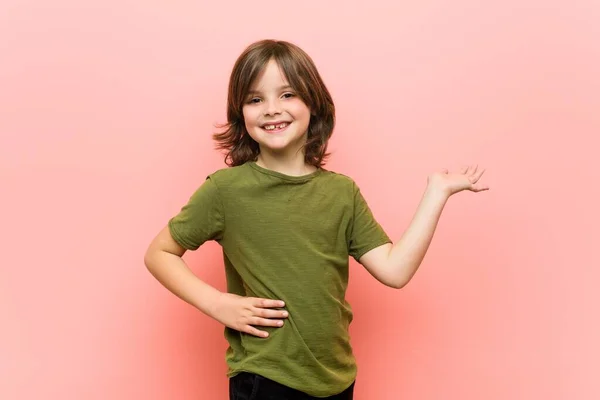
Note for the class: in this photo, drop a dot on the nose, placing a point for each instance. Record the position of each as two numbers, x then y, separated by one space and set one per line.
272 107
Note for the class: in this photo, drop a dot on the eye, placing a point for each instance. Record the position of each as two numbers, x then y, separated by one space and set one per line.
288 95
253 100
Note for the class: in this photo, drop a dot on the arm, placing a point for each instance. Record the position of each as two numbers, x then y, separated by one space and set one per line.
395 265
163 260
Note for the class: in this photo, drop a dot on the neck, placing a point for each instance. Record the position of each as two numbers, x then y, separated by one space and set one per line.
289 165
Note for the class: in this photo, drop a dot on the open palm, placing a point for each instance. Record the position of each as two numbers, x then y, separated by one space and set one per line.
453 182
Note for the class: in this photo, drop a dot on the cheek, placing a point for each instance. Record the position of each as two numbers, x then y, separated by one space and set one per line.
249 117
301 111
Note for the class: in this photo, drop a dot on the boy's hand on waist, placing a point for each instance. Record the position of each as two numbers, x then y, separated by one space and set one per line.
244 313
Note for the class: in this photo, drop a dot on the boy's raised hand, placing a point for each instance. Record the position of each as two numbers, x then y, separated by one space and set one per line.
453 182
244 313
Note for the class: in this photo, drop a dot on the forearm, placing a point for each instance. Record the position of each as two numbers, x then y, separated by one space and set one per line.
173 273
406 255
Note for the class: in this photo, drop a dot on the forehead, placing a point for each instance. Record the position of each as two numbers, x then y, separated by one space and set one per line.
271 77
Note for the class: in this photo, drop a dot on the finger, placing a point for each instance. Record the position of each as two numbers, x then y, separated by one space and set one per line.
472 169
475 178
479 188
464 169
256 321
269 303
268 313
255 332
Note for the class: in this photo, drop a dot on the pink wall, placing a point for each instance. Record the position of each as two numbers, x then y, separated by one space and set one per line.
106 110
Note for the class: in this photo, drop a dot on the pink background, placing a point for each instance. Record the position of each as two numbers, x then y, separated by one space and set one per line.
106 111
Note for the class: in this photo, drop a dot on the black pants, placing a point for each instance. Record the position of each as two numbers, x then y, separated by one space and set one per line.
247 386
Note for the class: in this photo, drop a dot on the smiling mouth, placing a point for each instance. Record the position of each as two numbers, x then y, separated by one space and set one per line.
275 127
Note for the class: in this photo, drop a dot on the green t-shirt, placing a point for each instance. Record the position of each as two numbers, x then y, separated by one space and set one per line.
287 238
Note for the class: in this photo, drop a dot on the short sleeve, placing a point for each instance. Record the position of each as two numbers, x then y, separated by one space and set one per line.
201 219
365 233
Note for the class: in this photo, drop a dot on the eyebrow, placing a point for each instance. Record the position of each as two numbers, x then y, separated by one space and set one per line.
279 88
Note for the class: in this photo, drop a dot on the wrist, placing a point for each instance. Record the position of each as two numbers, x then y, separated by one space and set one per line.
209 301
435 192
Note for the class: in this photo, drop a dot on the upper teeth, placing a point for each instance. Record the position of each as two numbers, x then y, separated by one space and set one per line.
282 125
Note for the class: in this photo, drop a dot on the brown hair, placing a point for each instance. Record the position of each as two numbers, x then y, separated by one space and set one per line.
302 74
